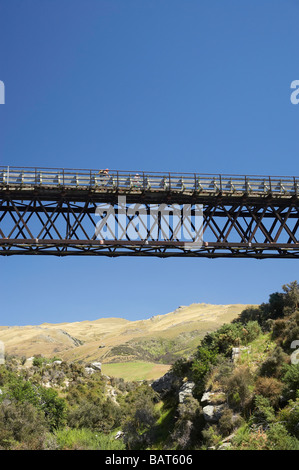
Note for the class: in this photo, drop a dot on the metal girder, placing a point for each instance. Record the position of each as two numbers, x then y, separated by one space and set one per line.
56 212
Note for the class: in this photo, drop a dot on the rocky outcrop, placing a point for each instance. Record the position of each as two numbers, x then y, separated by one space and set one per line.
213 398
164 384
93 367
186 391
213 404
96 365
212 414
237 351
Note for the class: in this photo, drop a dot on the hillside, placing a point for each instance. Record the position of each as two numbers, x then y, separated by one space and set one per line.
159 339
238 391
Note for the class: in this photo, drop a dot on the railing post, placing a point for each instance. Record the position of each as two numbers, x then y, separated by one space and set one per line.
270 184
220 179
169 178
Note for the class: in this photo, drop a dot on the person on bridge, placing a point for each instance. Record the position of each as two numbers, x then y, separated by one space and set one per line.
136 180
104 172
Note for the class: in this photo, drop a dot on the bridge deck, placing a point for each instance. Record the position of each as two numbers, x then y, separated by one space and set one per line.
115 181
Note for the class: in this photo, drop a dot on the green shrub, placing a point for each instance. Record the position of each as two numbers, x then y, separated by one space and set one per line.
39 361
263 413
272 366
289 416
279 439
291 379
53 407
202 363
227 422
100 417
238 386
22 426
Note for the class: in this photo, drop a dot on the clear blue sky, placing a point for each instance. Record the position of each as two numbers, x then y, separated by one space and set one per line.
189 85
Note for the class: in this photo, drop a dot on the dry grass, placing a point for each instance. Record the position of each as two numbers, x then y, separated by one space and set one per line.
93 340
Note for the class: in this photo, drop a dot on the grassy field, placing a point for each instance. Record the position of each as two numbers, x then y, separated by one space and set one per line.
131 371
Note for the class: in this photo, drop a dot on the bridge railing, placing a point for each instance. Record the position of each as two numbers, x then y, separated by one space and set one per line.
147 181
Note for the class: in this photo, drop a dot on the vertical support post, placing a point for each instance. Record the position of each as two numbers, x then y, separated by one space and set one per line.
270 185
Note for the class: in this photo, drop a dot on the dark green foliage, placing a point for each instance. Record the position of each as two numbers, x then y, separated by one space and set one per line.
53 407
202 363
280 305
182 368
238 388
22 426
231 335
272 366
278 438
291 379
263 414
250 332
142 416
100 417
289 416
189 424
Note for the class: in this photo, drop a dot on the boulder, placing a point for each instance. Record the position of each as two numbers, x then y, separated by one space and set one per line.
213 398
96 365
186 391
206 398
211 413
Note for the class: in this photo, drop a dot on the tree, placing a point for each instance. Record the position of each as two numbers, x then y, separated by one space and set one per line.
204 359
53 406
291 295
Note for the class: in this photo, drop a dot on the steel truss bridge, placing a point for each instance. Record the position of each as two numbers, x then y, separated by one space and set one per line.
46 211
